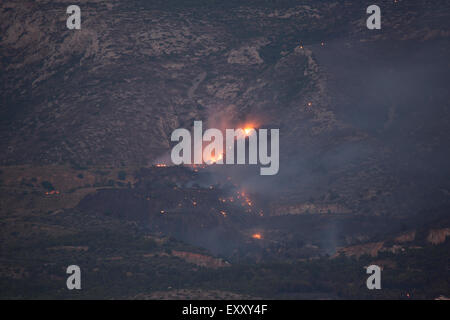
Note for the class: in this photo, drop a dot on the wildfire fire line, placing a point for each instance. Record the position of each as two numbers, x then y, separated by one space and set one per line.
210 159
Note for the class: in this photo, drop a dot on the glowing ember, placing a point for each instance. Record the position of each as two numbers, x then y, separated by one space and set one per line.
214 159
248 130
245 198
52 192
257 236
161 165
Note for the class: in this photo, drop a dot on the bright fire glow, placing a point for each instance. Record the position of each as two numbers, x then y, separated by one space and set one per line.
161 165
248 130
214 159
257 236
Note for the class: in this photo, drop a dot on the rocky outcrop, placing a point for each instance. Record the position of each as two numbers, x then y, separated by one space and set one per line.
437 236
406 237
370 249
200 259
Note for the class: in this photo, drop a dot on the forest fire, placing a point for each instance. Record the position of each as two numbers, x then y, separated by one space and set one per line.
51 192
257 236
196 150
246 200
214 159
248 131
160 165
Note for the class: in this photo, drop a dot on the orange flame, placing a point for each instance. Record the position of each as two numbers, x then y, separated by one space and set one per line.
257 236
213 159
161 165
248 130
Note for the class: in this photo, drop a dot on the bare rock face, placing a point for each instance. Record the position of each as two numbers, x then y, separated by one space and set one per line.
200 259
406 237
246 55
371 248
437 236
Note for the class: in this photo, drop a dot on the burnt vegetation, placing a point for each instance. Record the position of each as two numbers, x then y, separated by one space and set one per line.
85 124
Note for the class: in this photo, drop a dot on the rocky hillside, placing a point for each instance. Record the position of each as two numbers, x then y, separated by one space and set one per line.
85 123
112 92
